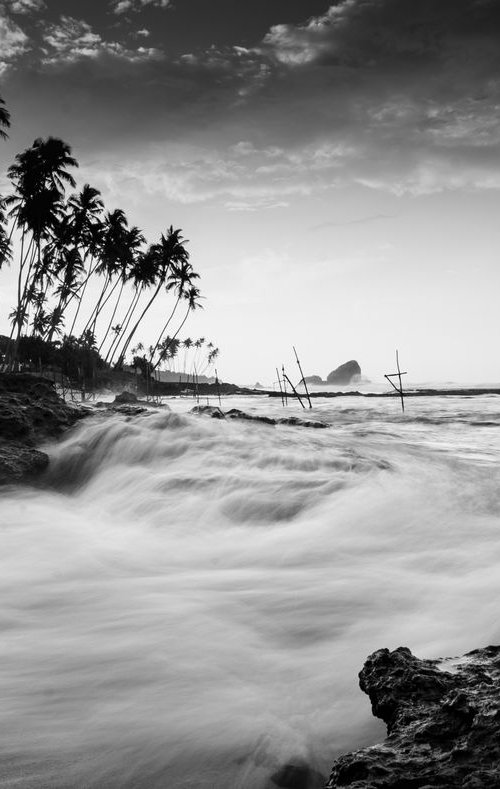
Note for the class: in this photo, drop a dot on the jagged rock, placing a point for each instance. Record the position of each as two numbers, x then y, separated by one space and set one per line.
345 373
18 462
235 413
297 776
30 412
296 420
129 410
442 720
210 410
125 397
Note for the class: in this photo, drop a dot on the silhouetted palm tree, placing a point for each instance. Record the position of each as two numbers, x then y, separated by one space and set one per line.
4 119
157 269
39 176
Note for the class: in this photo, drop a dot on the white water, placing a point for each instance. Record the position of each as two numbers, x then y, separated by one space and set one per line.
188 601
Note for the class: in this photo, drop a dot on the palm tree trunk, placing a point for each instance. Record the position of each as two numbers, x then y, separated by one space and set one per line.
164 328
84 286
112 317
130 336
177 332
126 322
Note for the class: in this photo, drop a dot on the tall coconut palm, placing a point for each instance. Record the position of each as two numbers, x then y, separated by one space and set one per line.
39 176
4 119
132 243
158 266
112 251
192 296
181 279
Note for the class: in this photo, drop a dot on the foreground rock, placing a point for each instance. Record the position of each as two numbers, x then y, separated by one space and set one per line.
234 413
443 723
30 412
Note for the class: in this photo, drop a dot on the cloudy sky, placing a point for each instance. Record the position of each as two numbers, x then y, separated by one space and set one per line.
335 166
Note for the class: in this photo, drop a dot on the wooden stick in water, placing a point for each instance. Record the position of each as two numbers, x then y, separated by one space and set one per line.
281 390
397 375
302 376
285 393
294 391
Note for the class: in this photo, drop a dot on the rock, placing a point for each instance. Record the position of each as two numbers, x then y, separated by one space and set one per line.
345 373
235 413
297 421
210 410
313 379
125 397
18 462
30 412
297 776
129 410
442 720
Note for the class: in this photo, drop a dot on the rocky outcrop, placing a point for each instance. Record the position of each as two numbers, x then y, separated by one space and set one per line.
234 413
30 412
314 380
345 374
443 723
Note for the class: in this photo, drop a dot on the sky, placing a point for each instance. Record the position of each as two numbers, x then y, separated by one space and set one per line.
335 166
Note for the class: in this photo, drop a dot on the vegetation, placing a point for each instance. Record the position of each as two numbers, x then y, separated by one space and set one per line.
67 249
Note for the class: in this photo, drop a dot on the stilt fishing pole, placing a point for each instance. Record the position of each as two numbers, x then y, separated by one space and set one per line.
397 375
294 391
217 385
303 380
281 390
285 393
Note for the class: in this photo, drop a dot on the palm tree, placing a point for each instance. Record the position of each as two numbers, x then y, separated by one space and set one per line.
5 247
39 176
181 280
111 253
192 296
4 119
157 268
132 242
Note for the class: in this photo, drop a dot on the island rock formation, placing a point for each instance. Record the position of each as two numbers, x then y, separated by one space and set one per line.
442 720
345 374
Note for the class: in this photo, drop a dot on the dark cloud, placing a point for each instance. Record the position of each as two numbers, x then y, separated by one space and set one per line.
394 94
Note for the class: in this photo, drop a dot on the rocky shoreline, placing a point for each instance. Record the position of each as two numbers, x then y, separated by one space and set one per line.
442 720
442 716
31 412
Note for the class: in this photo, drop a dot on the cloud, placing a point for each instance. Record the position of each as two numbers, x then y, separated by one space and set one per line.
134 6
73 39
13 42
400 95
24 6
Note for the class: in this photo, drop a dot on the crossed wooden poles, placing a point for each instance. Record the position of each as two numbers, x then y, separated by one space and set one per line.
285 379
397 375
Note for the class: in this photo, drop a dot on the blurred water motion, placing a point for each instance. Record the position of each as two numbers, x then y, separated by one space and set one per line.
187 601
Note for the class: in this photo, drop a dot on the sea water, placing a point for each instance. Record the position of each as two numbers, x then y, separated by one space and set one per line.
186 602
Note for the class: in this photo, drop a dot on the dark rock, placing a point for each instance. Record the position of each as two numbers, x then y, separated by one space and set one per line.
18 462
314 379
129 410
296 420
297 776
235 413
442 720
210 410
345 374
30 412
125 397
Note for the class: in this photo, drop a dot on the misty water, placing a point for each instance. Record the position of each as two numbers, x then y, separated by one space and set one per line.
186 602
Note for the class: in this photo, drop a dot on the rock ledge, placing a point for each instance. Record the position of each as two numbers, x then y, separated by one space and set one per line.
443 723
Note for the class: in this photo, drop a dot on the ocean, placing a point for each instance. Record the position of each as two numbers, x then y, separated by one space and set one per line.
186 602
